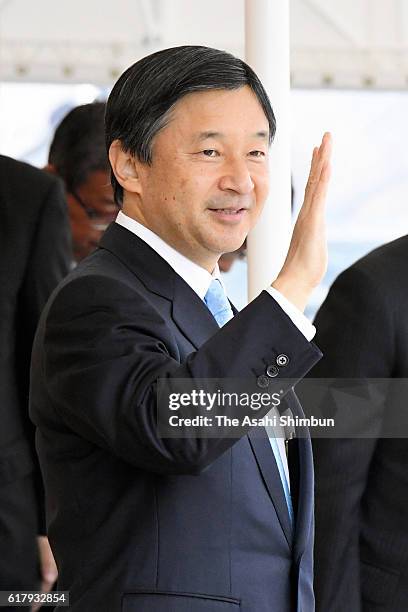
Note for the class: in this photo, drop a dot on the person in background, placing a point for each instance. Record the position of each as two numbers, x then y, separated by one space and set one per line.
35 255
78 156
361 549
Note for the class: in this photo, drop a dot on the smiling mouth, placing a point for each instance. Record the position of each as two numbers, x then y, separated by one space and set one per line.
228 211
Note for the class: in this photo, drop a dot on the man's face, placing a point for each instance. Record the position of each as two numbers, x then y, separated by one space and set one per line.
208 179
96 196
91 208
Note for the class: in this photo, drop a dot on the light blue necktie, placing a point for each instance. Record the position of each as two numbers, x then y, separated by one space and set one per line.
217 303
219 306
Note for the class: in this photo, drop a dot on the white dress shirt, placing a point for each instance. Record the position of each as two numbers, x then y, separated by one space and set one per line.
200 279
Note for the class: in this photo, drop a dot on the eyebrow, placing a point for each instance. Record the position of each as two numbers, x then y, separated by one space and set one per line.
262 134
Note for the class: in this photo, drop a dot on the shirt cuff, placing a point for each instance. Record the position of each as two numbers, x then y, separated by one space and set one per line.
297 317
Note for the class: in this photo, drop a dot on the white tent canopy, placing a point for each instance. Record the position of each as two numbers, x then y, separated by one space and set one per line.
334 43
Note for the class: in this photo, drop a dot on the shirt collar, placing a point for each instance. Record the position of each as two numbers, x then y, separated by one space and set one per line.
194 275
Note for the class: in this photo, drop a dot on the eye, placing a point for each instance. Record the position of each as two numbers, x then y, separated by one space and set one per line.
258 154
210 153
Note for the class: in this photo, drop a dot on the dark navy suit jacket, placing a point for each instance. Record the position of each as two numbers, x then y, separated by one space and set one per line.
35 252
144 524
362 483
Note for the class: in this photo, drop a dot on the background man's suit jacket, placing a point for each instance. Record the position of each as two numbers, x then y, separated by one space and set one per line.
143 524
361 551
34 257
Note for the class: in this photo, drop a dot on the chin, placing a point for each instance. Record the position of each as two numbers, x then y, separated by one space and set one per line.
228 246
225 243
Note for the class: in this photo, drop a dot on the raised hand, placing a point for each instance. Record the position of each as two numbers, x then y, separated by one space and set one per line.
306 261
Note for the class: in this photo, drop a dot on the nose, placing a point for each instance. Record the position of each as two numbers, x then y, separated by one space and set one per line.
236 177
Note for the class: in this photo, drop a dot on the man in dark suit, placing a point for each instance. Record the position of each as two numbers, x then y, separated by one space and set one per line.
361 552
140 522
34 257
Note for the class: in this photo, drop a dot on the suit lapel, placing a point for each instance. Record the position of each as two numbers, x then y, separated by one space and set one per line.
302 483
270 473
151 269
234 310
189 312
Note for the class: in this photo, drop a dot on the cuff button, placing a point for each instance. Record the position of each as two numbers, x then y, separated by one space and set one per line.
272 371
262 381
282 360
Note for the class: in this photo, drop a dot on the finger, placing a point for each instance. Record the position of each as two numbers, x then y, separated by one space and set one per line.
320 194
324 153
327 146
313 166
325 150
313 177
319 161
319 155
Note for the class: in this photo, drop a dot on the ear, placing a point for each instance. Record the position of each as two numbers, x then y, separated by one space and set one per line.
125 168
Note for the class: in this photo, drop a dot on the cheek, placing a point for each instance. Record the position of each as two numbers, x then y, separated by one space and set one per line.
261 190
161 195
175 201
189 193
182 189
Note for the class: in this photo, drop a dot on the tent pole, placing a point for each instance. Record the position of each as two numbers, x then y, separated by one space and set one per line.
267 52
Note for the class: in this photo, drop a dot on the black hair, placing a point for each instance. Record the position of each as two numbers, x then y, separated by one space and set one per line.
142 99
78 147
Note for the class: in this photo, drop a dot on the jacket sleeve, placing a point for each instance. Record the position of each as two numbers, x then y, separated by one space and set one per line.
355 332
105 347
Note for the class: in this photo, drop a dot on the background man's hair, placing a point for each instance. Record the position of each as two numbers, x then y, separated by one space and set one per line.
142 99
78 147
